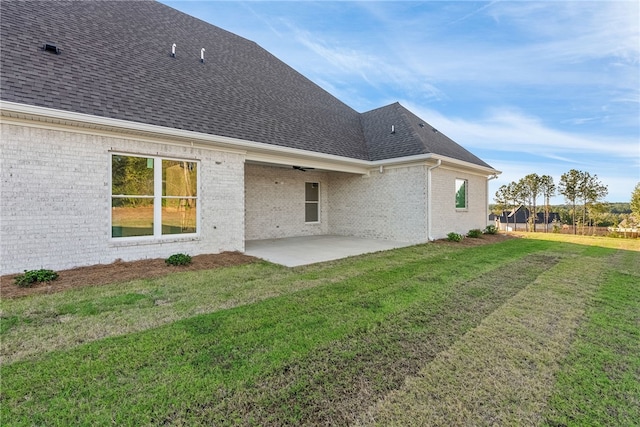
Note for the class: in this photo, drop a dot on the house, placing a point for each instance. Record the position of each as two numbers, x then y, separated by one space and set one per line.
131 130
519 219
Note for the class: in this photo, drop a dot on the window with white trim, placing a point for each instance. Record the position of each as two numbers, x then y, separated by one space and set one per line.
153 196
461 193
311 202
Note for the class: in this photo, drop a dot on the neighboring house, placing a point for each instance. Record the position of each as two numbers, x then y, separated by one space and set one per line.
131 130
519 219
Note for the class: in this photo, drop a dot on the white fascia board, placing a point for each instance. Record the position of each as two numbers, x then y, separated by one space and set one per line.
433 158
254 151
482 170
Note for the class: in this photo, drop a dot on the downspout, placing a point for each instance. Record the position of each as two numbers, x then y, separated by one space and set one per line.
429 236
489 179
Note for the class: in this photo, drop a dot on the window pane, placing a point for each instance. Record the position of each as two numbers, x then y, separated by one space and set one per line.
311 192
179 178
311 212
461 194
179 216
131 176
131 217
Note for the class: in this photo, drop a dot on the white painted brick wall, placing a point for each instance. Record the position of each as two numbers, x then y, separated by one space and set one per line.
55 200
275 205
446 218
389 205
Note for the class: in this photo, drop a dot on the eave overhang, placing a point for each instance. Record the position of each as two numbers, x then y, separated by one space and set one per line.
258 152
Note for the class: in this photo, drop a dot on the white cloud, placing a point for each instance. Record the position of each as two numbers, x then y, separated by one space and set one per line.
343 59
528 86
511 130
518 145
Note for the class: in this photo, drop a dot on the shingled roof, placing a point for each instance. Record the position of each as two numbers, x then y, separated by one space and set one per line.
410 136
115 62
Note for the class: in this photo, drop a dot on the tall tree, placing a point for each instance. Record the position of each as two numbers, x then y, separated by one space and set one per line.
548 190
635 204
597 214
507 198
530 190
503 199
569 187
591 191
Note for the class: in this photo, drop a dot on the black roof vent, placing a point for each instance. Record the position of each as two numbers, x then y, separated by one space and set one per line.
51 47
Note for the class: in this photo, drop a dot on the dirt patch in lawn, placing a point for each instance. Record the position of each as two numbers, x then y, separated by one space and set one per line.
120 271
482 240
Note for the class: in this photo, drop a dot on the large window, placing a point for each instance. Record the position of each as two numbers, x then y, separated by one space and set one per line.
461 194
152 196
311 202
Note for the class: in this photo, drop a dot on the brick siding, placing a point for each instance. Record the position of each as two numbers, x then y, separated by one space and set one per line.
389 205
275 202
55 200
446 218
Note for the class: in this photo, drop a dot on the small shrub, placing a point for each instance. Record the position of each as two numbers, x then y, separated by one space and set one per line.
178 259
31 277
454 237
491 229
475 233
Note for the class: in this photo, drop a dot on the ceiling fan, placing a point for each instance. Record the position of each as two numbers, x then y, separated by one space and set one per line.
300 168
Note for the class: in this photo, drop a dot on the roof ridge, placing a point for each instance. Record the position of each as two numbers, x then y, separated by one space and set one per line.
238 89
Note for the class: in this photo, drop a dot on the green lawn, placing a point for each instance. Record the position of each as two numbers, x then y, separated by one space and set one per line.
532 331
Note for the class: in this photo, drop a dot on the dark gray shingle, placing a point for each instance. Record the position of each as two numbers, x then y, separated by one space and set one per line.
115 62
412 136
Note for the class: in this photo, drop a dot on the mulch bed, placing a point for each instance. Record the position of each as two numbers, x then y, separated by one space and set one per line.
120 271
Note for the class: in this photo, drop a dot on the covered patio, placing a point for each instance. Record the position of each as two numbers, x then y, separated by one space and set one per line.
296 251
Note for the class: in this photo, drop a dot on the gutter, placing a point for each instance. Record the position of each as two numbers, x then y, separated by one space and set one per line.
256 151
429 221
253 151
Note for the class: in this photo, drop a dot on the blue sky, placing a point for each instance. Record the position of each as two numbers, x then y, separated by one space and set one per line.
530 87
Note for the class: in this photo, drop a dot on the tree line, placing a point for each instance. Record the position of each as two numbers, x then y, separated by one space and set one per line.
582 191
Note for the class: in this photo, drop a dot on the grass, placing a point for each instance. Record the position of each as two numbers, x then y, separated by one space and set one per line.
502 372
347 342
599 384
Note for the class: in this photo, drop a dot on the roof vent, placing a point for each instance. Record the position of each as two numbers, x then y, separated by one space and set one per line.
393 129
173 50
421 125
51 47
202 55
434 130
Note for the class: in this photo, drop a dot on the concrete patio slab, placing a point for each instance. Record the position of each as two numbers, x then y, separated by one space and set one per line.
295 251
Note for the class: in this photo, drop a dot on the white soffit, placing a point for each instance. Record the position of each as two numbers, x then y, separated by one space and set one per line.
254 151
